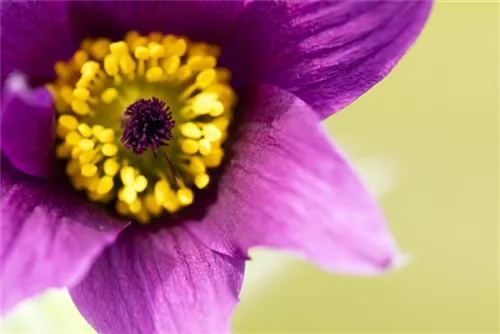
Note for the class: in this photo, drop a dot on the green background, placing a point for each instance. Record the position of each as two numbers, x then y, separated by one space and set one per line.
426 142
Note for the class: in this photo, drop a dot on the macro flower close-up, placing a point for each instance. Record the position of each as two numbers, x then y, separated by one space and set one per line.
147 146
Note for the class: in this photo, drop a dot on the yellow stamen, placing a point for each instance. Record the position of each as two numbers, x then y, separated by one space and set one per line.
97 130
66 124
85 130
109 150
63 151
161 191
190 130
154 74
73 138
80 108
189 146
106 136
81 94
140 183
86 144
201 180
86 157
105 185
127 175
135 206
211 132
185 196
205 147
127 194
111 167
89 170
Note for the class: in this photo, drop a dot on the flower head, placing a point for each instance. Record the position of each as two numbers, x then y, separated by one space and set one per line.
193 130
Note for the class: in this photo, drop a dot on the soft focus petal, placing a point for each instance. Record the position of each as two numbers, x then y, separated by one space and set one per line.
27 127
160 282
209 21
34 35
328 53
288 187
49 236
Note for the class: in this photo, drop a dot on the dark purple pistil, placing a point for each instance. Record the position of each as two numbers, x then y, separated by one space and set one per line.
147 123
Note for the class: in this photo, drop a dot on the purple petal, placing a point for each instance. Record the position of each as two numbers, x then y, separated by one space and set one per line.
160 282
27 127
34 35
328 53
209 21
288 187
50 237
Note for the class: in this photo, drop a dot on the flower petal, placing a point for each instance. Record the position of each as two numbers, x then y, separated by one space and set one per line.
201 20
288 187
160 282
49 236
27 127
34 35
328 53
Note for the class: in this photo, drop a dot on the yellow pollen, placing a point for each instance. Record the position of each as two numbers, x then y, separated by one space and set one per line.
185 196
85 130
152 205
63 151
127 175
86 144
214 159
140 183
111 167
189 146
105 185
190 130
197 165
109 150
127 194
81 94
171 64
109 95
75 152
201 180
157 50
211 132
73 138
111 65
178 48
206 78
89 170
106 136
96 86
122 208
66 124
205 147
86 157
135 206
161 190
127 65
97 130
73 167
80 108
154 74
118 49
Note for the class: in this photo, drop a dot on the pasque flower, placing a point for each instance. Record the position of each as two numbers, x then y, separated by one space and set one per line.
146 146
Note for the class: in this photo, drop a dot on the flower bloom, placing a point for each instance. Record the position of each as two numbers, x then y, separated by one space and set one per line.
146 146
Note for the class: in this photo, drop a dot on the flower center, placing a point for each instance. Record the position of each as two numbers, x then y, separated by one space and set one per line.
141 122
148 124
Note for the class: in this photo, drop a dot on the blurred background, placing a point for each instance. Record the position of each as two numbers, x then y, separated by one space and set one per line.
426 142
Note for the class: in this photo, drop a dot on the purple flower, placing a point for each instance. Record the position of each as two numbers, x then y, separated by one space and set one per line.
156 243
